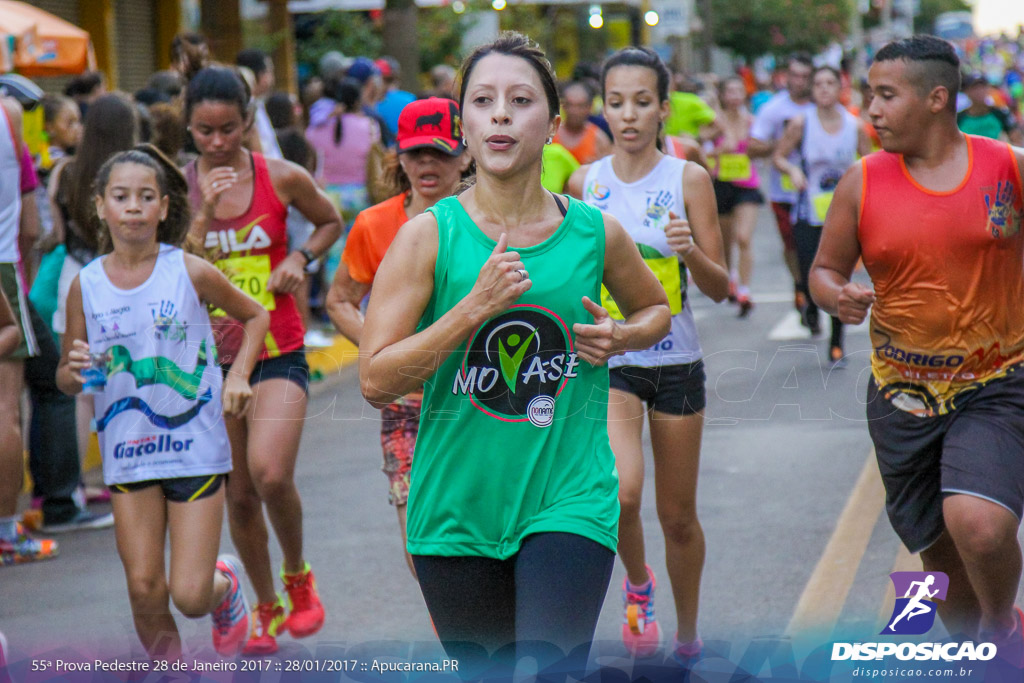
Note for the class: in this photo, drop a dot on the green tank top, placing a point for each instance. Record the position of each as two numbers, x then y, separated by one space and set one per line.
513 435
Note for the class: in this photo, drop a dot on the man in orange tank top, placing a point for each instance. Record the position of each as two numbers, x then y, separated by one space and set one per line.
584 139
936 216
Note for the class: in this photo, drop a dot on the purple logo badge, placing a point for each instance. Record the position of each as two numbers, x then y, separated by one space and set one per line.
916 593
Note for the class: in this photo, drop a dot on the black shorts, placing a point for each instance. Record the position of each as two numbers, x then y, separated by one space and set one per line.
978 449
291 366
730 195
671 389
179 489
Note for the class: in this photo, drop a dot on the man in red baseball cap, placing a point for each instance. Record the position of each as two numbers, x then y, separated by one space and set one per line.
394 99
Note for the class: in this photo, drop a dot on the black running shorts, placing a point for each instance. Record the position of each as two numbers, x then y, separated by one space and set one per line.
978 449
178 489
671 389
291 366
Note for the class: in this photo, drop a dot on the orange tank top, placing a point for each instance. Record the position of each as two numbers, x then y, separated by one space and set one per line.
585 150
948 272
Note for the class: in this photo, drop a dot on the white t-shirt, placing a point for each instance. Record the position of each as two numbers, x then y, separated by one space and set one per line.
769 126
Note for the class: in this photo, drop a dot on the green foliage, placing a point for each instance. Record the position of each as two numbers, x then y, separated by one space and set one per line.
440 33
755 27
351 33
924 22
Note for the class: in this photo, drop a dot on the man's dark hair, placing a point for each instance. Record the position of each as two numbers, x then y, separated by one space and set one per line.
587 88
935 62
280 110
803 58
253 59
83 85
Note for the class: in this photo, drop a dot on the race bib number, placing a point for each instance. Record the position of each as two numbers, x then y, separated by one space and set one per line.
250 274
667 271
734 168
787 184
821 203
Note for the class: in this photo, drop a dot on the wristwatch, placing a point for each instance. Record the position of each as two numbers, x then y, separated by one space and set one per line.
308 255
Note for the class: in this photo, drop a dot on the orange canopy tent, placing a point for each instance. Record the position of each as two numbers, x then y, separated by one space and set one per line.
42 45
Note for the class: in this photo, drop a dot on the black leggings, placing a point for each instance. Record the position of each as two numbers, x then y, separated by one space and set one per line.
807 237
549 594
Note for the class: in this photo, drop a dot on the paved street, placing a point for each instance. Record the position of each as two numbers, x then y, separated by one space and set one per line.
792 509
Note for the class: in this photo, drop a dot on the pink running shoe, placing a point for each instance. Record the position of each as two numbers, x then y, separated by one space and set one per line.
231 618
639 628
687 653
1010 647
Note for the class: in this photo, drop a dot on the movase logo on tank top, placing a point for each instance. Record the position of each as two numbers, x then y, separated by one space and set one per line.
516 365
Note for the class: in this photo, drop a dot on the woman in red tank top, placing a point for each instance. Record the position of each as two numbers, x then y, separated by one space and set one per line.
241 203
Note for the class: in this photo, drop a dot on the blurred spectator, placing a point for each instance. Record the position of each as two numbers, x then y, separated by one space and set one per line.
168 131
283 111
984 119
262 69
189 54
585 140
688 113
368 75
344 140
590 74
62 121
167 82
442 81
84 89
557 164
142 116
333 65
150 96
394 100
311 91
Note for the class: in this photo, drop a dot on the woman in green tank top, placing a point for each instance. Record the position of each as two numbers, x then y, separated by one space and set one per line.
487 302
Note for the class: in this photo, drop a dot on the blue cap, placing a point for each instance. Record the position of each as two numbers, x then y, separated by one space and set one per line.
362 69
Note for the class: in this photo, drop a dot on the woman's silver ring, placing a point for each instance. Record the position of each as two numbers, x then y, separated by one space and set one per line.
522 274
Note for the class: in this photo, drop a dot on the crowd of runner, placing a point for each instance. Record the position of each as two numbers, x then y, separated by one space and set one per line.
523 244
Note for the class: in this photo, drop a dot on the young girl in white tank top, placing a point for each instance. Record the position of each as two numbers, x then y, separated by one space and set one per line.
139 316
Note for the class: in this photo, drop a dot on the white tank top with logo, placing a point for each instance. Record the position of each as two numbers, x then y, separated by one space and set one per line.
825 157
643 209
160 416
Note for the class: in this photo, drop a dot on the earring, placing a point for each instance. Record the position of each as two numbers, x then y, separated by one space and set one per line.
550 140
464 143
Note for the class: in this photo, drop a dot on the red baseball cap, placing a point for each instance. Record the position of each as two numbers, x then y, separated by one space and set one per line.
385 68
433 122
